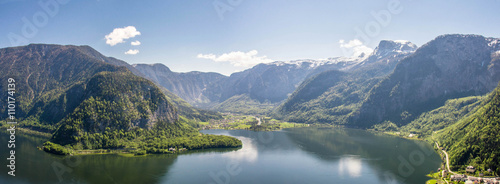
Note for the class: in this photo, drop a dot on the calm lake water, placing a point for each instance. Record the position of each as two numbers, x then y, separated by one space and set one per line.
304 155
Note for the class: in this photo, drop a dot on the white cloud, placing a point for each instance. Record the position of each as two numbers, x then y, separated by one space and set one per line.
238 58
354 48
137 42
120 34
132 52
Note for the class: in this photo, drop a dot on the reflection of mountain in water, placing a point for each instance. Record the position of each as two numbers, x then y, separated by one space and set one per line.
393 157
35 166
263 141
118 169
308 155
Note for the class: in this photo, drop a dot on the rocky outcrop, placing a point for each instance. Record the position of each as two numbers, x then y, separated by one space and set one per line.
190 86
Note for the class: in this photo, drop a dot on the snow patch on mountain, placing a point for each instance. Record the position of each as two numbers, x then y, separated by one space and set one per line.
342 62
388 47
387 50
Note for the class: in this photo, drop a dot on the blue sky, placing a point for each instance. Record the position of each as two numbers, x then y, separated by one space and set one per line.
232 35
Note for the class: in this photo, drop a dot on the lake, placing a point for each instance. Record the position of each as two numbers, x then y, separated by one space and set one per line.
301 155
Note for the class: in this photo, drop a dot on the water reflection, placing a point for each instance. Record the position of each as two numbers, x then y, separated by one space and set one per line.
352 164
247 153
307 155
355 150
35 166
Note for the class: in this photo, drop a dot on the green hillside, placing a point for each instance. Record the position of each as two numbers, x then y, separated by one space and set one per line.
86 103
474 140
328 97
123 111
243 104
448 114
113 102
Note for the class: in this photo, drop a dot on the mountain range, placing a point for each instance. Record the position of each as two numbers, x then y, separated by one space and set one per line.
442 90
333 95
89 101
450 66
263 87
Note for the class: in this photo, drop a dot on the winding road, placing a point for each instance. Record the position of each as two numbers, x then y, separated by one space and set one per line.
447 160
448 163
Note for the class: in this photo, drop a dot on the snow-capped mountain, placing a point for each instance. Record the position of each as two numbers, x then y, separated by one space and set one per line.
337 63
389 50
450 66
273 82
386 52
387 47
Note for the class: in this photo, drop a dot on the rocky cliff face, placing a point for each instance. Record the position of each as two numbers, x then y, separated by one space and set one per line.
274 82
385 57
271 82
449 66
264 82
189 86
392 47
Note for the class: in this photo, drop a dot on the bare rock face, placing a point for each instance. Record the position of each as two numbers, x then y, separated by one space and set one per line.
165 113
449 66
190 86
391 48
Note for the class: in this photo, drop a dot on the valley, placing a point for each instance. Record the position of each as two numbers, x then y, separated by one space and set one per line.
442 93
249 92
245 122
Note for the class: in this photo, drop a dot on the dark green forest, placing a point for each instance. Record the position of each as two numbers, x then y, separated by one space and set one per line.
474 140
89 101
128 112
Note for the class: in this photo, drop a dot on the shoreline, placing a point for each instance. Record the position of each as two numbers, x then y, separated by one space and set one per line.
127 152
122 152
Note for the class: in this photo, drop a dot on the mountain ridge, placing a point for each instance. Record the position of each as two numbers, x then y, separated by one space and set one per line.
88 101
267 83
450 66
337 96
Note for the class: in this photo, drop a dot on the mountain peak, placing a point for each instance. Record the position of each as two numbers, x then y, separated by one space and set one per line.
386 47
470 40
154 67
390 50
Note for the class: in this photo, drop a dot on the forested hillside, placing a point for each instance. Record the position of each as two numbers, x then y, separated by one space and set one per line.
326 98
448 114
474 140
87 103
112 102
